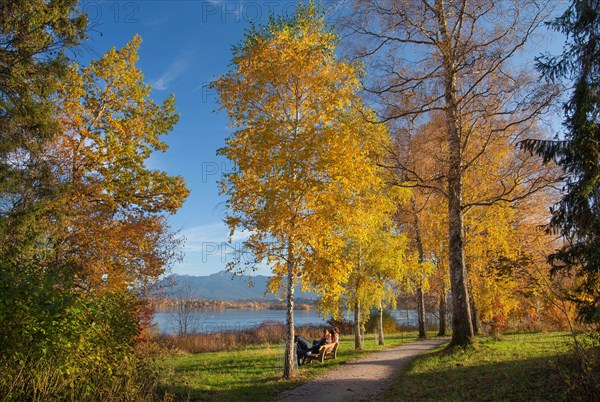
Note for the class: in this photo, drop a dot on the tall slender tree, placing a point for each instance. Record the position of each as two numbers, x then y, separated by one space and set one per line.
577 215
378 264
454 57
303 153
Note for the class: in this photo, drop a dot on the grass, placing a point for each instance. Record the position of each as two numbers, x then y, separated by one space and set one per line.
517 368
252 373
520 367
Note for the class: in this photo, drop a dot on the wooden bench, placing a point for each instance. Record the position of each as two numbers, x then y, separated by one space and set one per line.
328 350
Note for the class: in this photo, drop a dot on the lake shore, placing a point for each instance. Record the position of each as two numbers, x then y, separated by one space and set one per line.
169 303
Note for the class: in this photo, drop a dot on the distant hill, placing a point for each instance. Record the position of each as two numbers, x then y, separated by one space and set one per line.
221 286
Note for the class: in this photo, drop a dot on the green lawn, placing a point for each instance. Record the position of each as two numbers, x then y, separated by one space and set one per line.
516 368
250 374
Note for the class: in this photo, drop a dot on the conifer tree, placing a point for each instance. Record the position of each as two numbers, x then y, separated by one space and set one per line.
577 215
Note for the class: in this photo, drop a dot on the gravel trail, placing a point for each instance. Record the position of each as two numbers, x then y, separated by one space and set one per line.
363 379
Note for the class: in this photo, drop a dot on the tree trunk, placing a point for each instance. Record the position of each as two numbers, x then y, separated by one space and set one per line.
421 313
462 329
289 360
380 337
475 318
420 302
443 312
358 339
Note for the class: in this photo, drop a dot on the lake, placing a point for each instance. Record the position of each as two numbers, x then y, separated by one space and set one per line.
240 319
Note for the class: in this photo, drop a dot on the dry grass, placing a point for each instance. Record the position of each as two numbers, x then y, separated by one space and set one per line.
272 332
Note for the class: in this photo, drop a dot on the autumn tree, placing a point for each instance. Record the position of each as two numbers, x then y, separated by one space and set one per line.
376 257
415 280
416 161
419 160
454 57
374 254
112 224
577 215
302 150
432 226
99 237
34 38
489 248
390 263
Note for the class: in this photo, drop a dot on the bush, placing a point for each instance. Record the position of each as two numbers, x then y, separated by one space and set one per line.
57 344
390 324
580 370
346 327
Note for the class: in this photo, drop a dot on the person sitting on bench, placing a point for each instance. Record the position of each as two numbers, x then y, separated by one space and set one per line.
303 348
335 335
325 339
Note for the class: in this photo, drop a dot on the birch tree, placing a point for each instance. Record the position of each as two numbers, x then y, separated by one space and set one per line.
454 57
303 153
379 265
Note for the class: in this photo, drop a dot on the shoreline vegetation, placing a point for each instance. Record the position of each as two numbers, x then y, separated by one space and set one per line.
166 303
159 303
267 332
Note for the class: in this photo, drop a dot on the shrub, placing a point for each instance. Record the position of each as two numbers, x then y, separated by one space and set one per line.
346 326
389 322
57 344
580 373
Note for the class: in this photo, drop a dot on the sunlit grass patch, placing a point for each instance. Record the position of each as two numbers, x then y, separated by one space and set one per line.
518 367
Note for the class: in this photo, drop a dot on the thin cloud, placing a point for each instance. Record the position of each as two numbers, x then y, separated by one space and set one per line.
207 250
158 22
198 238
178 67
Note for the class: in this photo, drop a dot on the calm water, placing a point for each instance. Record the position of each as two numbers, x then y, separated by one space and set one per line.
239 319
232 319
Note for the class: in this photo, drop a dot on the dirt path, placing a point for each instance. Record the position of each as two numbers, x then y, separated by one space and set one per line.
363 379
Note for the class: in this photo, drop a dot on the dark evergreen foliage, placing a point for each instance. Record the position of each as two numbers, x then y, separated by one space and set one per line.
577 215
34 36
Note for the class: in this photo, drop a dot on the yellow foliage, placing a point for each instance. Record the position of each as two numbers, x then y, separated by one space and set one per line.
112 225
304 153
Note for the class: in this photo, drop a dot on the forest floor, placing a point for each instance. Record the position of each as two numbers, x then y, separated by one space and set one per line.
364 379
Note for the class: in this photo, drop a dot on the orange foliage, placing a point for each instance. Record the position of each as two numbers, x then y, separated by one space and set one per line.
111 224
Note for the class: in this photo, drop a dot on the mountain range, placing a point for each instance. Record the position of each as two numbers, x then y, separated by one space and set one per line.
221 286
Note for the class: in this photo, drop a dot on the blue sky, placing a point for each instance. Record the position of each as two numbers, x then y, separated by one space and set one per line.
186 45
